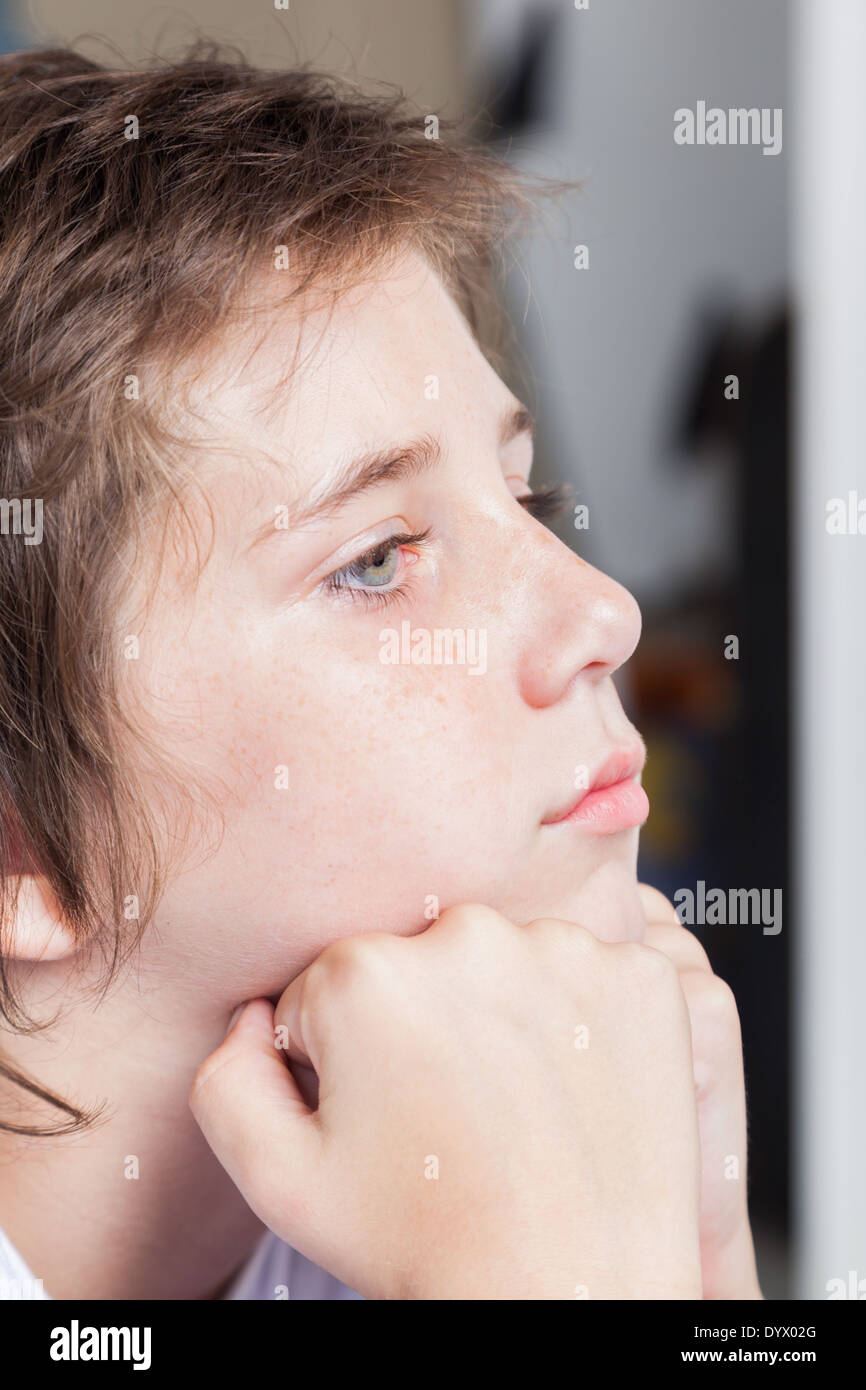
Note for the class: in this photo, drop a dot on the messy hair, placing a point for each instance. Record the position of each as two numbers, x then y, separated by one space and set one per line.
135 207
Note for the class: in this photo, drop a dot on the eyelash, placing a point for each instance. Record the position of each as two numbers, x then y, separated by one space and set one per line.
375 598
543 504
547 502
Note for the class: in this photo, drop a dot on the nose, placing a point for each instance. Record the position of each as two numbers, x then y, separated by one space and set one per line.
578 623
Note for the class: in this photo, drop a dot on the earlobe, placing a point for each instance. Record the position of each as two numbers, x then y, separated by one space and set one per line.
38 931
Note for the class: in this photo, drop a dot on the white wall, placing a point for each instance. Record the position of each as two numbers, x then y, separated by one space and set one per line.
664 224
829 209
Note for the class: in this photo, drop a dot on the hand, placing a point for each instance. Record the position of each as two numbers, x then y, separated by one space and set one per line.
727 1251
464 1145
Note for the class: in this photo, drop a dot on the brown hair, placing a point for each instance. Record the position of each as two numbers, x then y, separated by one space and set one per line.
117 251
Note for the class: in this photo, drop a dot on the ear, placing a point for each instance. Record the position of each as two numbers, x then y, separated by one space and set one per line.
38 931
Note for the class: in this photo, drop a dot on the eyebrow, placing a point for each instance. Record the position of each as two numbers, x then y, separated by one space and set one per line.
372 469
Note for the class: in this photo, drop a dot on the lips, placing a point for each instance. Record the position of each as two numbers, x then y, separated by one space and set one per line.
614 798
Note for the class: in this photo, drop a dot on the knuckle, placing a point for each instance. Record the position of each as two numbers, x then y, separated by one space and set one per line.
649 965
701 959
656 905
715 1000
680 942
561 935
474 921
350 962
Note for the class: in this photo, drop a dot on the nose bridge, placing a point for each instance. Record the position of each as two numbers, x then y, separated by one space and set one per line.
574 620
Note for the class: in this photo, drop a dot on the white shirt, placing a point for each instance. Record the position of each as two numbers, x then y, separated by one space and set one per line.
273 1271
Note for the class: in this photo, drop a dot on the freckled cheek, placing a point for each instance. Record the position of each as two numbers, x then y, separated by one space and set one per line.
348 747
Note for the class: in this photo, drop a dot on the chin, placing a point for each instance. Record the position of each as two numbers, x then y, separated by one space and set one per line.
601 894
608 903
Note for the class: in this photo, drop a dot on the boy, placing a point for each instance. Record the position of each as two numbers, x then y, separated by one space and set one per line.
241 377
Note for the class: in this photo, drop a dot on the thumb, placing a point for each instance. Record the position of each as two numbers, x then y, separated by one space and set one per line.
254 1117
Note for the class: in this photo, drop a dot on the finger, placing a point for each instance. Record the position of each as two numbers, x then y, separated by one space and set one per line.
716 1034
656 906
294 1031
254 1117
679 944
721 1100
666 932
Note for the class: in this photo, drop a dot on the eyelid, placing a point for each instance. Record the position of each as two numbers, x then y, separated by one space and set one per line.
542 503
377 596
396 540
549 501
358 547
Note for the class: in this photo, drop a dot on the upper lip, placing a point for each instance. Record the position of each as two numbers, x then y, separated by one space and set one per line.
619 765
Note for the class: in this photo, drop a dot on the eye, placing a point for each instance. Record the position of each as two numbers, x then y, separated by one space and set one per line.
376 568
547 502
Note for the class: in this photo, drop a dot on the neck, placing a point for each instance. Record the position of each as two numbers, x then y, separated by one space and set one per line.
135 1206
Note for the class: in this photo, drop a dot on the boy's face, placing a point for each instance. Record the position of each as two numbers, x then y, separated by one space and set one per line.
358 794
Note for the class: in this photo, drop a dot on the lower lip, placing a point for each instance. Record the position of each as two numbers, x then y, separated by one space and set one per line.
618 807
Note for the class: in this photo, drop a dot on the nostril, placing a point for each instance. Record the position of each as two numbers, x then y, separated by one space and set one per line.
598 669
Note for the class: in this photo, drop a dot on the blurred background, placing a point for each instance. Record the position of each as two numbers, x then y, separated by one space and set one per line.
688 333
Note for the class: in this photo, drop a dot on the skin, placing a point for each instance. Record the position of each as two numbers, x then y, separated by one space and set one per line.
727 1250
402 781
560 1171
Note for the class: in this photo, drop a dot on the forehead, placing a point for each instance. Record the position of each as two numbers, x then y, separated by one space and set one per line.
288 389
335 371
285 390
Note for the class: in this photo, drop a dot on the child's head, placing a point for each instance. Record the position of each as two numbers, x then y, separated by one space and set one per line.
239 314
